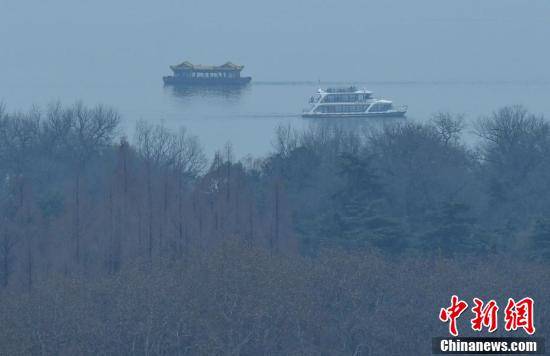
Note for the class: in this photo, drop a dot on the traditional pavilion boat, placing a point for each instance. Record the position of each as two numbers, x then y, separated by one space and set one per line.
187 73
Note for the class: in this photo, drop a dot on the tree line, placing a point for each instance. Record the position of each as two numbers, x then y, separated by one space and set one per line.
77 198
411 187
302 249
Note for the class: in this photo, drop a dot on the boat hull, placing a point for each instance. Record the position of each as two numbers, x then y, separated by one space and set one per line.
177 81
394 113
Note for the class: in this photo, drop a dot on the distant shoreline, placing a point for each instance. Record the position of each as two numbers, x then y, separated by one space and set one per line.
402 82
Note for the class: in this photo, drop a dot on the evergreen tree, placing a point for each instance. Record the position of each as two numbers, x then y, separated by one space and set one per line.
452 231
362 215
540 238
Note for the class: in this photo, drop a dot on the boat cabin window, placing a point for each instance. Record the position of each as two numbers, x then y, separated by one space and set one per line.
315 98
340 98
320 109
337 109
380 107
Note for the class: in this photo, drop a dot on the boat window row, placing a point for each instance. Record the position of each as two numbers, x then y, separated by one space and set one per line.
207 74
345 98
380 107
341 90
341 108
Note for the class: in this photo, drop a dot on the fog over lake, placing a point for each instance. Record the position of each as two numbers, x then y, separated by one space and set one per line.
466 57
256 231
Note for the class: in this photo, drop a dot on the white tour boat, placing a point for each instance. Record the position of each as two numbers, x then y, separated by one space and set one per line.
350 102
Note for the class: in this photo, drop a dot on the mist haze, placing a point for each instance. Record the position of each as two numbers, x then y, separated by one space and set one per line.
105 42
466 57
142 218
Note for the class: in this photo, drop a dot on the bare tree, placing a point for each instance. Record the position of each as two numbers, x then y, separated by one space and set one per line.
176 155
7 244
448 126
515 148
79 134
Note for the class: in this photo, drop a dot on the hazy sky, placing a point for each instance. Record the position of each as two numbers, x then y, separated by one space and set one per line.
108 41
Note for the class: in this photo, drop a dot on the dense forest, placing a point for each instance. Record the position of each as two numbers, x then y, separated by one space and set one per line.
338 242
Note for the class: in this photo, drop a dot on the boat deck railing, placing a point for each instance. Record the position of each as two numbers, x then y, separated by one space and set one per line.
341 90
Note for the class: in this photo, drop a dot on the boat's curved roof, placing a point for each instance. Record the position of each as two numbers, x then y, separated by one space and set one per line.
227 66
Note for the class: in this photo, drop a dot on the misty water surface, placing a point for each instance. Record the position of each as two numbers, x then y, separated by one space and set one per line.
467 57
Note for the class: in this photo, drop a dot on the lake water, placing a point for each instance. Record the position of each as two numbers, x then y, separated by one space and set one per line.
248 117
465 56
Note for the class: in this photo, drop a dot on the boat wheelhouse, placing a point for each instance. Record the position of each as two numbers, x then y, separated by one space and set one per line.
187 73
350 102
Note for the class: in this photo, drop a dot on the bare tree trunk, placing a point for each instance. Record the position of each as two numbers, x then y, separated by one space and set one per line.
150 212
124 214
5 265
251 223
228 180
29 263
6 249
164 222
140 230
277 217
26 220
181 238
238 202
111 246
77 218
